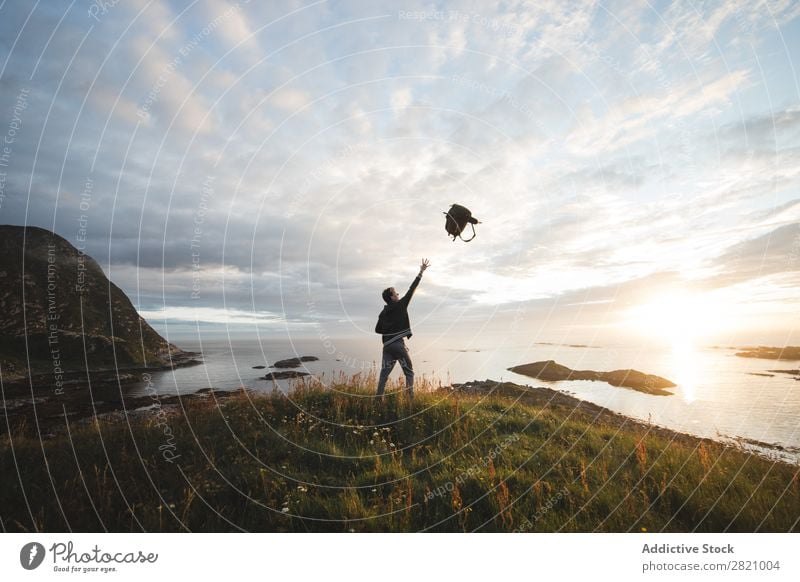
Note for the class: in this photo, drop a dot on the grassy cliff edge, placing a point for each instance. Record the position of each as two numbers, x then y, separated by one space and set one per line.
514 459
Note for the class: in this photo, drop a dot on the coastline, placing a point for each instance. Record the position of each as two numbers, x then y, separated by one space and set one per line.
543 396
50 414
38 401
46 380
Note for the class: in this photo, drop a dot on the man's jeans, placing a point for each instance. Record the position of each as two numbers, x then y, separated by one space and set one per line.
396 352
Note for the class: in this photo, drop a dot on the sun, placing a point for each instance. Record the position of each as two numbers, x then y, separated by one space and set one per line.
678 317
681 319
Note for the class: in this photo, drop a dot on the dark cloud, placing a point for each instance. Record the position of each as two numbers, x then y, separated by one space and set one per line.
778 251
764 131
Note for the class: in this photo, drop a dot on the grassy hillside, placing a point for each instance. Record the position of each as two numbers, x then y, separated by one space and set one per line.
337 460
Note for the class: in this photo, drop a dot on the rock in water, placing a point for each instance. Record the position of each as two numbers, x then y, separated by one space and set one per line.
285 375
294 362
550 371
637 380
60 312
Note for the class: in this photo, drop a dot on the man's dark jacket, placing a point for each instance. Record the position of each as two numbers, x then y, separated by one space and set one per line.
393 321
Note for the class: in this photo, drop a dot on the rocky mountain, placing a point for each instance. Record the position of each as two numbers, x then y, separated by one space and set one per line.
59 313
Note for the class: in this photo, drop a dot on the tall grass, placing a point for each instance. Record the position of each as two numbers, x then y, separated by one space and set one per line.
336 459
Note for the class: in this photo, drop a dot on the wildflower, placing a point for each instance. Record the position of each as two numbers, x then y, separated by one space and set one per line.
302 489
374 490
391 445
372 442
285 510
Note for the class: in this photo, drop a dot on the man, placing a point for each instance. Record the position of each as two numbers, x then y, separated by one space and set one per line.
394 326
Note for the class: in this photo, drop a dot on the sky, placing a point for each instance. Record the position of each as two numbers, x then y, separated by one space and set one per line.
270 167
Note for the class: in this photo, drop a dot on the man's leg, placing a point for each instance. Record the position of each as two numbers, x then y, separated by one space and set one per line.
388 359
408 369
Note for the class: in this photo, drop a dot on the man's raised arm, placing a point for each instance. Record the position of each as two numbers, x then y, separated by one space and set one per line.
406 299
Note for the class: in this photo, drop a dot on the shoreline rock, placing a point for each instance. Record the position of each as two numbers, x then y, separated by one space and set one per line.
565 345
294 362
794 373
285 375
51 412
551 371
79 378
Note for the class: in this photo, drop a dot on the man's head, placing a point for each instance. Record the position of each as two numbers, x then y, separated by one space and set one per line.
390 295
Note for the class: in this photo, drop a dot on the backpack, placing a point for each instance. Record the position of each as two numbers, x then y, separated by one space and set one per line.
380 327
457 219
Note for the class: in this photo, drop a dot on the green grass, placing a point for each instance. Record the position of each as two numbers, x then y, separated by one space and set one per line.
337 460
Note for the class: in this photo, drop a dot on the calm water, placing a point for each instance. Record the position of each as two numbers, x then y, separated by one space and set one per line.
716 395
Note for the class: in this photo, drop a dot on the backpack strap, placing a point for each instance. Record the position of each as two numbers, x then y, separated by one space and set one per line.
470 238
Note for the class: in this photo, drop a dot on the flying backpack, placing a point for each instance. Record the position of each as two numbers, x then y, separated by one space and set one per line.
458 217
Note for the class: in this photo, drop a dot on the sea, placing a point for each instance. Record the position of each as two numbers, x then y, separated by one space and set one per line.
718 395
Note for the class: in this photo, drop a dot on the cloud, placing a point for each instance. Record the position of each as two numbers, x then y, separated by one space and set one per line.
701 33
776 252
212 315
115 105
157 18
401 98
638 117
607 149
289 99
230 22
765 131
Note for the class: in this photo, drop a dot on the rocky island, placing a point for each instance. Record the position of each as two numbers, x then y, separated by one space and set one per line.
550 371
770 353
294 362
